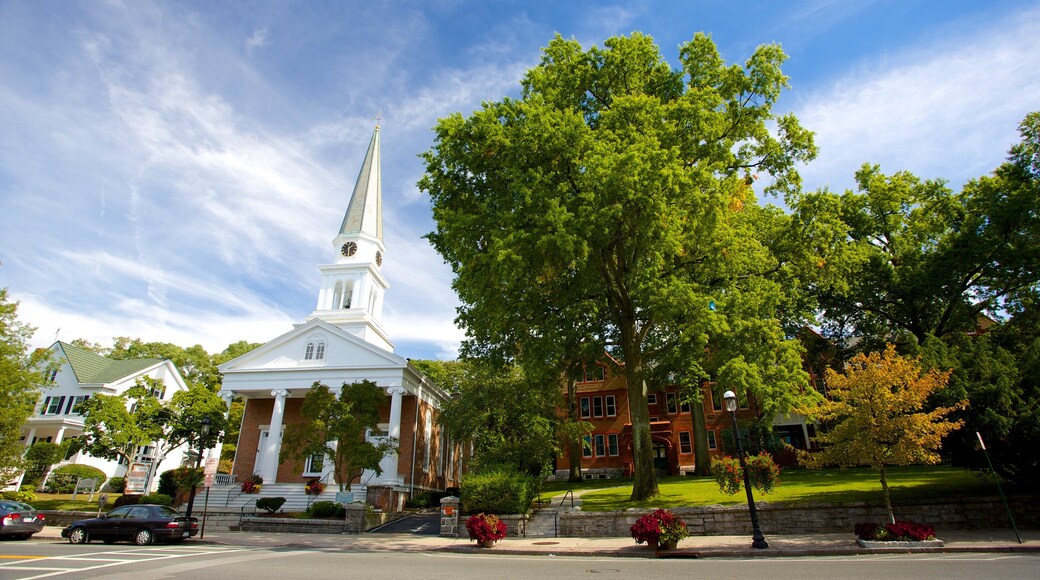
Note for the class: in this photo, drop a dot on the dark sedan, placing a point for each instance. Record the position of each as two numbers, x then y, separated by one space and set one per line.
19 520
140 524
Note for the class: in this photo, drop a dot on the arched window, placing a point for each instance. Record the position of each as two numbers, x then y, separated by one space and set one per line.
320 352
308 352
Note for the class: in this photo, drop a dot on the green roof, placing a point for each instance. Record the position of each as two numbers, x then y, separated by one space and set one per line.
93 368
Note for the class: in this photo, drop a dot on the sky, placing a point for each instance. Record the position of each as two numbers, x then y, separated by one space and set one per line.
176 171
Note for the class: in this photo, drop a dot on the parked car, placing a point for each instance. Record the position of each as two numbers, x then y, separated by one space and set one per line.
19 520
140 524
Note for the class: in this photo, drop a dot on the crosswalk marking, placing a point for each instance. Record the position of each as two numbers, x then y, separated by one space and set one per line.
46 567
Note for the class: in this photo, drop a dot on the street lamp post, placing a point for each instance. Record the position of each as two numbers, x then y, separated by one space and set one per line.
758 540
191 494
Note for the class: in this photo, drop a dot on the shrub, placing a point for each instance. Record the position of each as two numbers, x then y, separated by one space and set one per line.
127 499
323 509
419 500
486 528
63 479
156 498
659 527
25 495
270 504
117 484
763 472
898 531
499 491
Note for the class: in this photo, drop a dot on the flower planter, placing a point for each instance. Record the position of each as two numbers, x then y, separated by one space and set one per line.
486 543
668 545
898 544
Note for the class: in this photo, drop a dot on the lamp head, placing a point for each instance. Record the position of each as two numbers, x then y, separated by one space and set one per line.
731 401
205 425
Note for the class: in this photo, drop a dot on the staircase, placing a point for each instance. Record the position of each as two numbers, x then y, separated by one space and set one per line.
542 523
230 497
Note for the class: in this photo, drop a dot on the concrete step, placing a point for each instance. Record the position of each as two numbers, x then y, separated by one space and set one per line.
296 499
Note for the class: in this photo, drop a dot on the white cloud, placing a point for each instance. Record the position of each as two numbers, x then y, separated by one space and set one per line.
946 110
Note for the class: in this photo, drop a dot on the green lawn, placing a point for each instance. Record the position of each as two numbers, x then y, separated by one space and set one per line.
796 486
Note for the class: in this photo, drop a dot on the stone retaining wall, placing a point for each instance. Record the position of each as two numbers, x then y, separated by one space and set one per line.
807 519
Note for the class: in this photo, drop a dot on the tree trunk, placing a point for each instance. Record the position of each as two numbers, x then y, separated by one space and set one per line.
574 447
888 497
644 480
702 459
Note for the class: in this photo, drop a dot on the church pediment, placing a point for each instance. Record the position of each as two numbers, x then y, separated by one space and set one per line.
314 344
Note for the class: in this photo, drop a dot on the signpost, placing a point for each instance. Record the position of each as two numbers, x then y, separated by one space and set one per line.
210 473
136 478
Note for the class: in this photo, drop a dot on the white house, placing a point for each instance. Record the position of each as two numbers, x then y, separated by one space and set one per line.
80 374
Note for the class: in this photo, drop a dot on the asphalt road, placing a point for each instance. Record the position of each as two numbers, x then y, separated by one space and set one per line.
37 559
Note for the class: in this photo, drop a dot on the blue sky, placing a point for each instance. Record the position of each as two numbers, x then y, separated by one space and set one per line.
176 171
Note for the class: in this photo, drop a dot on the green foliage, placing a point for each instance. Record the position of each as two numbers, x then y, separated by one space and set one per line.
26 494
511 419
177 482
763 473
270 504
128 499
63 479
38 458
419 499
323 509
21 374
611 205
156 498
118 484
500 491
335 427
115 426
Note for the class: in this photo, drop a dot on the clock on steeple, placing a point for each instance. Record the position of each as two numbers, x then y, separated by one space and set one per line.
349 249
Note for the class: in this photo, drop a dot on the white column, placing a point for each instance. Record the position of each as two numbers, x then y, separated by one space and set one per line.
60 436
389 463
29 437
274 437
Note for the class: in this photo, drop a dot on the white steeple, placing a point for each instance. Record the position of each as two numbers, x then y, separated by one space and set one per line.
352 287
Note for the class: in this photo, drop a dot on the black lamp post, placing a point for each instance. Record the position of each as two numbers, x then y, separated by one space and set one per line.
758 540
198 463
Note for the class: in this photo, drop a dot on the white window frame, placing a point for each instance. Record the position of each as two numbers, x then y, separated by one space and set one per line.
688 442
610 405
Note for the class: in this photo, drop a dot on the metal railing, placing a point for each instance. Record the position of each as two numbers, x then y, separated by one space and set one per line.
556 515
224 479
311 498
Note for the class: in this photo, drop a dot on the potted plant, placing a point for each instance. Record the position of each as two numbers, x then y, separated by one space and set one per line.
252 485
486 529
314 486
659 528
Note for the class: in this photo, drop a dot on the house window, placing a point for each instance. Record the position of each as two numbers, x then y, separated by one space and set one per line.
315 463
77 405
597 406
611 406
319 352
594 373
600 446
651 399
308 352
428 432
716 398
55 405
684 406
52 375
684 442
586 411
743 400
711 440
158 390
669 400
612 444
586 447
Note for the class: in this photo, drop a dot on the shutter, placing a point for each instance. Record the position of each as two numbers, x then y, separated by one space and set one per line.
46 403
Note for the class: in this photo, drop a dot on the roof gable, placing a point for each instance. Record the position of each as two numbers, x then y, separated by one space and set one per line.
92 368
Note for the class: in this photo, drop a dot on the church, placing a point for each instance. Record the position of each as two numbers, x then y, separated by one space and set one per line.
342 341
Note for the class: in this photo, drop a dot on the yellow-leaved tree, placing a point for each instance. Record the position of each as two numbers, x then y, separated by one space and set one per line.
876 416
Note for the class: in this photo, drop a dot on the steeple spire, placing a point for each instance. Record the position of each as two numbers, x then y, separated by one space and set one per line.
352 288
365 212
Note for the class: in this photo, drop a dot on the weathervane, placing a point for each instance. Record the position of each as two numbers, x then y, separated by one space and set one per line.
379 118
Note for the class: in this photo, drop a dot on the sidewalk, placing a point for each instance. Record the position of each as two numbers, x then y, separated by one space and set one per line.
692 547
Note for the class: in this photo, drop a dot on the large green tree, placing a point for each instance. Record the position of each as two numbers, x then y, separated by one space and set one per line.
334 426
616 191
116 425
921 259
21 374
511 418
